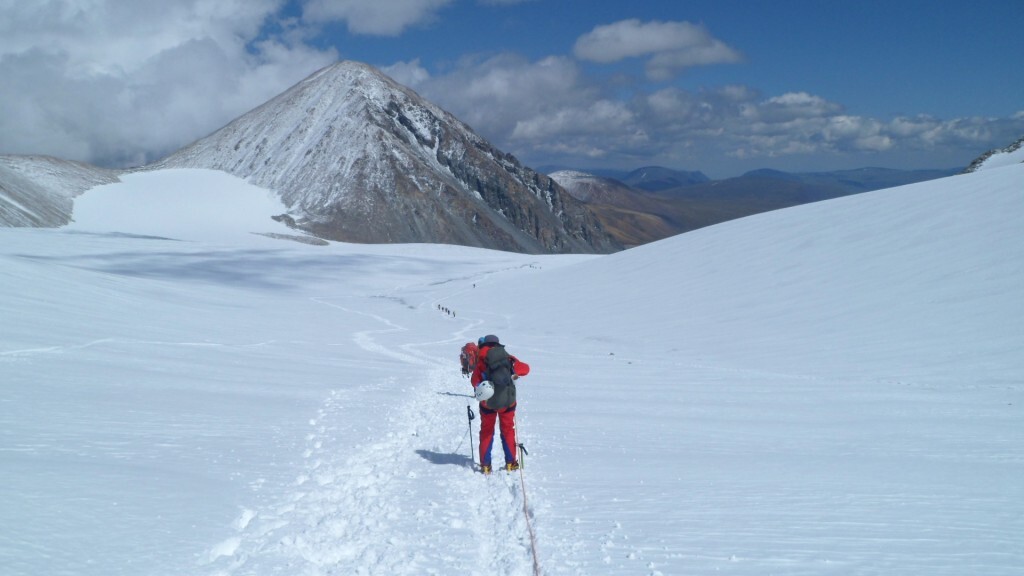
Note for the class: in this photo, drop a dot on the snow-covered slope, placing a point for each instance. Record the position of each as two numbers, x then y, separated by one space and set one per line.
39 190
880 280
183 204
589 188
358 157
829 389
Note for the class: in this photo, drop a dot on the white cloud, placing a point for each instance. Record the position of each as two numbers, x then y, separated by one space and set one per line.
119 83
410 74
377 17
107 36
530 108
793 105
495 94
666 65
595 118
549 112
671 46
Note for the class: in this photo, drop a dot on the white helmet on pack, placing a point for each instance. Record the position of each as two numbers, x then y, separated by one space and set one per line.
483 391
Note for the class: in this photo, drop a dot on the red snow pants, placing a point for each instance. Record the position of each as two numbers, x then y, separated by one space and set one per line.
507 425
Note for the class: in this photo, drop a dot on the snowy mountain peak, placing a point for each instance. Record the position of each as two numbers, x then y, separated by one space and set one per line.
358 157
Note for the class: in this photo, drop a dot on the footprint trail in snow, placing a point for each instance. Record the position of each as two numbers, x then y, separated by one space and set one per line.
405 502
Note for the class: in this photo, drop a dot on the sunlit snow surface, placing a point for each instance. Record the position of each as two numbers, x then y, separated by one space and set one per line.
830 389
186 204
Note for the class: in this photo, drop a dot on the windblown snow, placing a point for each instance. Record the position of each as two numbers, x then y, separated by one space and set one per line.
829 389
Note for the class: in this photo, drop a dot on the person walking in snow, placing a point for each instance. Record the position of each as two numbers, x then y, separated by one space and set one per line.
494 386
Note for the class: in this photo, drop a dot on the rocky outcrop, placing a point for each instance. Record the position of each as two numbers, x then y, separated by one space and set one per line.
1012 154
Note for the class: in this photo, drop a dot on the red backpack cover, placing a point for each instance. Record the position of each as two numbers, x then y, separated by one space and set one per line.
468 357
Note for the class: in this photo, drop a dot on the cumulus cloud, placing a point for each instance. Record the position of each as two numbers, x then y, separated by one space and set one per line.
117 84
121 83
380 17
104 36
533 108
549 112
411 74
671 46
497 93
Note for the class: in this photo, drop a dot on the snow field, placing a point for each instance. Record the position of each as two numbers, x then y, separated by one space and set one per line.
833 389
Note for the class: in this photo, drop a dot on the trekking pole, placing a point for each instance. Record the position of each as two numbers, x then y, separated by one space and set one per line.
470 415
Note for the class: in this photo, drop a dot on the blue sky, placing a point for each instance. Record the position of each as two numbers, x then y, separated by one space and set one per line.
718 86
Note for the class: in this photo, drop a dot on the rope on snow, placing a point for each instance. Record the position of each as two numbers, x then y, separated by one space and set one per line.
529 526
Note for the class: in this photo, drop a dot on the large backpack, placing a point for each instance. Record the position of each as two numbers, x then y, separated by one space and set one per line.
468 357
499 373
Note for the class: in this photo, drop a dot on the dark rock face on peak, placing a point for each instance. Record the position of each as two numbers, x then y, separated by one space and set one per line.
359 158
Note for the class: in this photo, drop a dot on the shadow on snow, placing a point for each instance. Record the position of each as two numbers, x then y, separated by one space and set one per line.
452 459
